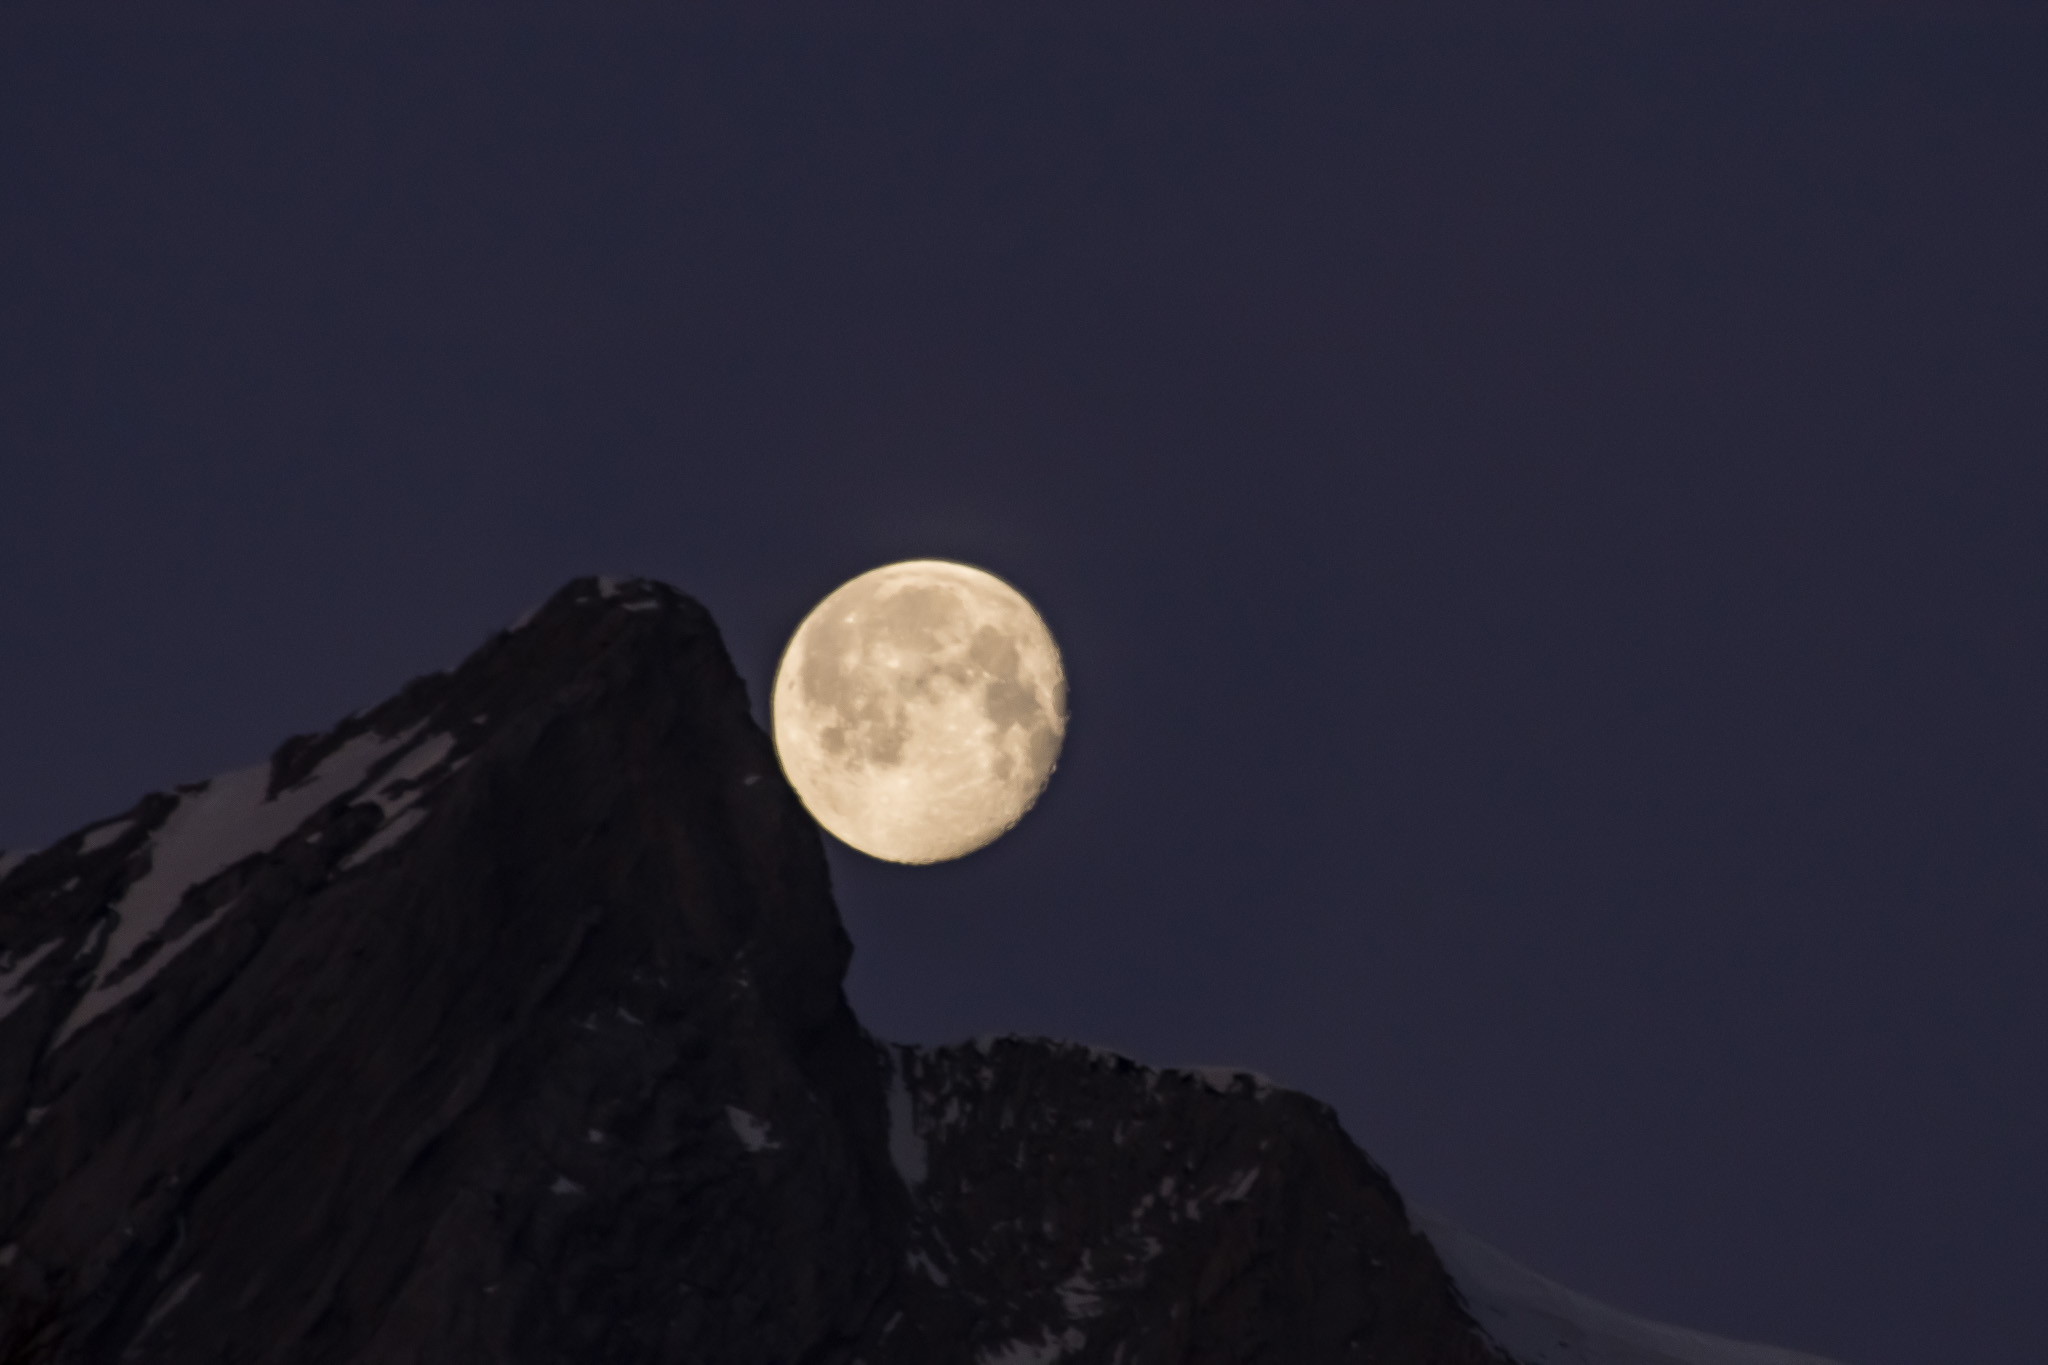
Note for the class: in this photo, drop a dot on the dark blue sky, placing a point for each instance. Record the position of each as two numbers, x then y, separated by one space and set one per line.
1545 518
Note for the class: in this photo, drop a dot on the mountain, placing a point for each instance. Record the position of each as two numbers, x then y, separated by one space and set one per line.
503 1022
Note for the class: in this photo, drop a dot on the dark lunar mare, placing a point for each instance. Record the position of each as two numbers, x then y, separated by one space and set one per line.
567 1074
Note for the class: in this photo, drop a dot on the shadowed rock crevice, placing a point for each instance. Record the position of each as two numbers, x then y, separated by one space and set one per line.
503 1023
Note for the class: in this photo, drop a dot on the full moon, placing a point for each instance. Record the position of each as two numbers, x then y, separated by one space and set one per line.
919 710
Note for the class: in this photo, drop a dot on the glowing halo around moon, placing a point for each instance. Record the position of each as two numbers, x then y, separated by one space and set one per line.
919 710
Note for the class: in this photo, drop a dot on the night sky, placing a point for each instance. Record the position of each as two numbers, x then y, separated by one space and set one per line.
1544 516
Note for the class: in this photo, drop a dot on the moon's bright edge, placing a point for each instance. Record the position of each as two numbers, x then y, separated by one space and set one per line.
919 710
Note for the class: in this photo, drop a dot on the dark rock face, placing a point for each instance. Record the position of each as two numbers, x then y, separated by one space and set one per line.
503 1023
1070 1204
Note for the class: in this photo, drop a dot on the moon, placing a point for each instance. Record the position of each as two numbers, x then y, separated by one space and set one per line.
919 710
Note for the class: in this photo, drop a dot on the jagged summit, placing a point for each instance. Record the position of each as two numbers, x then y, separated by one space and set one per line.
409 1043
635 669
503 1022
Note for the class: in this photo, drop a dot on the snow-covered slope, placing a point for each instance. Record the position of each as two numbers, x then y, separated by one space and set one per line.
1540 1322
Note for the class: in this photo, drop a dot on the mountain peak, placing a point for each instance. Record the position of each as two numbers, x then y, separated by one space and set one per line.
504 1021
310 1051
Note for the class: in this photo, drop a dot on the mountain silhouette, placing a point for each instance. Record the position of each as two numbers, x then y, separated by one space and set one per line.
504 1022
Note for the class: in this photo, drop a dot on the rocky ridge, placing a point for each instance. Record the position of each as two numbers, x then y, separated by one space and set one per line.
503 1022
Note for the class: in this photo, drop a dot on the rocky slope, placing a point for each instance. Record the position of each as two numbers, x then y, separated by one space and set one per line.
503 1022
1069 1204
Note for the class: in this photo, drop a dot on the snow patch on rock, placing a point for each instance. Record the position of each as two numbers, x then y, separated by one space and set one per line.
14 987
213 827
384 838
1239 1187
13 858
751 1130
1540 1322
429 754
97 839
398 796
1079 1295
169 1302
